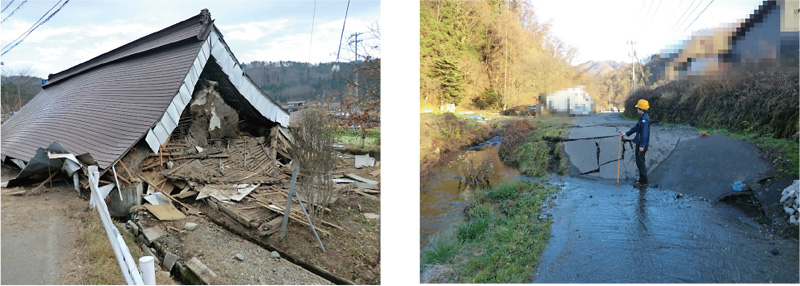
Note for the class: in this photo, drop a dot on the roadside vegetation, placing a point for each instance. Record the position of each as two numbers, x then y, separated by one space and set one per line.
758 107
103 268
534 148
444 133
501 239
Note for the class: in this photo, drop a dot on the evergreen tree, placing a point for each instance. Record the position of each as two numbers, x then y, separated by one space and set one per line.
450 80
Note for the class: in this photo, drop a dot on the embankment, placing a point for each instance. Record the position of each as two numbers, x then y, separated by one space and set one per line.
444 133
759 107
764 103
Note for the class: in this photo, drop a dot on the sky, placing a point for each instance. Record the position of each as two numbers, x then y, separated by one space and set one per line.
255 30
600 30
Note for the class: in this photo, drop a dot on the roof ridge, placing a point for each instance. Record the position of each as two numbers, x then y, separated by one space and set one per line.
204 18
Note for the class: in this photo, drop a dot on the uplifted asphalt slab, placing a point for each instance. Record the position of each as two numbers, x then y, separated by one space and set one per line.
709 166
678 158
604 233
583 154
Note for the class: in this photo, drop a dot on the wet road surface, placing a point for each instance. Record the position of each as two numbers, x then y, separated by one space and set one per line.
603 233
608 233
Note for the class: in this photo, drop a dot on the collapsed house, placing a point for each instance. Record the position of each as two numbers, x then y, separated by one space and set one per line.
173 104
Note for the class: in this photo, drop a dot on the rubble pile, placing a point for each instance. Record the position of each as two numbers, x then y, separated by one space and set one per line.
790 201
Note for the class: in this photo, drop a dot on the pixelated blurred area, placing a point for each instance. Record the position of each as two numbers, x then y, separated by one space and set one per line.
765 41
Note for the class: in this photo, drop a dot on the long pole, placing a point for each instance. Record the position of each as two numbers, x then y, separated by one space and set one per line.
619 157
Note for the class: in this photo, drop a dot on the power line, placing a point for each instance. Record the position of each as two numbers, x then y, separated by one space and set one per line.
37 26
698 16
12 12
690 13
311 41
342 36
682 16
9 5
655 12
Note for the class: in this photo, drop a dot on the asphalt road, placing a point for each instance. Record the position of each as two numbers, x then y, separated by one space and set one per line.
38 238
604 232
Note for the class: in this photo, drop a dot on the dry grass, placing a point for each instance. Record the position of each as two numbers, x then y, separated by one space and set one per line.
103 268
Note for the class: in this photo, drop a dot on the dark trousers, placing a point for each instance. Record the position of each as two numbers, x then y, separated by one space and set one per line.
640 164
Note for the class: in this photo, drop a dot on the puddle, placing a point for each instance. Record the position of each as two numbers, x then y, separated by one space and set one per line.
749 205
444 192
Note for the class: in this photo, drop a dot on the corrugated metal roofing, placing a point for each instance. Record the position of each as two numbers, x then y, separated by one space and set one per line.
106 105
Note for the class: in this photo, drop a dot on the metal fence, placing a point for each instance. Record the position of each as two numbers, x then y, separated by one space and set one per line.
126 262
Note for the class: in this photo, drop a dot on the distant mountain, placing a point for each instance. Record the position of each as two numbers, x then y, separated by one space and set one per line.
599 68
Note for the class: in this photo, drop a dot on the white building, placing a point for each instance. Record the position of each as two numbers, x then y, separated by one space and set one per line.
572 101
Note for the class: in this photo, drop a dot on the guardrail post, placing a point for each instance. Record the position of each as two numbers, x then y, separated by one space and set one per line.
147 268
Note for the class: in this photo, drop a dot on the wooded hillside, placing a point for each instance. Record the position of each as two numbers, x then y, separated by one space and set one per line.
489 55
294 81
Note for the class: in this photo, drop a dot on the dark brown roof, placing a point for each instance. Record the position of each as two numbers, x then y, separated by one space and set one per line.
106 105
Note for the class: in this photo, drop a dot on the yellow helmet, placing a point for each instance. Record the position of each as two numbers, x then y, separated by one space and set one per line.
643 104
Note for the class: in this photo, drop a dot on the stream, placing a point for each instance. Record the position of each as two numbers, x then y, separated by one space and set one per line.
444 193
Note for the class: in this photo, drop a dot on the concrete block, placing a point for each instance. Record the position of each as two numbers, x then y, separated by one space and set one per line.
133 227
153 233
201 270
149 252
170 260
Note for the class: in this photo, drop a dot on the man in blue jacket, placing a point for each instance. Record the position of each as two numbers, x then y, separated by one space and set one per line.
642 140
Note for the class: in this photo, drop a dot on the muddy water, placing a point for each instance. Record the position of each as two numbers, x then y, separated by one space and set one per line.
444 194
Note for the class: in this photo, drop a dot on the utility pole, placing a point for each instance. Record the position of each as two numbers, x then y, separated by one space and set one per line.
633 67
355 40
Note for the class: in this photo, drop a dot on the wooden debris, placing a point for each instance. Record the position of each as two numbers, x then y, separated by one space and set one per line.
49 179
271 226
165 212
181 166
16 193
371 197
234 213
133 178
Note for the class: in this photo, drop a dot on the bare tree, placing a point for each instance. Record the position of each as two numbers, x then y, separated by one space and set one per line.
18 87
314 135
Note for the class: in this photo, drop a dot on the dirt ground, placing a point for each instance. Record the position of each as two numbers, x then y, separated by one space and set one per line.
217 249
40 243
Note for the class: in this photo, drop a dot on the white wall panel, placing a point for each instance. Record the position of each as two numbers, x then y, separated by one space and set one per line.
152 141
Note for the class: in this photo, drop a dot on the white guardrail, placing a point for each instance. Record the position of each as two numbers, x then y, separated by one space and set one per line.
126 263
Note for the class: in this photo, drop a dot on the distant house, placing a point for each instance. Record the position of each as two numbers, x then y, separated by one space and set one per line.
767 40
570 101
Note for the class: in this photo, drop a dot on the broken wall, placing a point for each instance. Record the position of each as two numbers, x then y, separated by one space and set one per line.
212 118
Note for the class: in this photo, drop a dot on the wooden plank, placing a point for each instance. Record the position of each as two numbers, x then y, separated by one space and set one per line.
233 213
270 227
123 179
302 221
133 178
371 197
274 143
165 212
